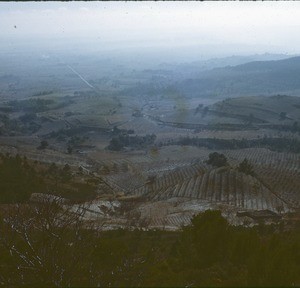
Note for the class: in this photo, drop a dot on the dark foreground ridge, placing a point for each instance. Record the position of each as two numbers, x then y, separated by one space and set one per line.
39 247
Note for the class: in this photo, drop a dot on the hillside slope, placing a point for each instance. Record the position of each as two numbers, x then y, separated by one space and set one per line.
258 77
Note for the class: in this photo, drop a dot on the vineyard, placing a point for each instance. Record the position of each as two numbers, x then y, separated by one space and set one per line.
180 172
222 185
170 175
275 185
280 171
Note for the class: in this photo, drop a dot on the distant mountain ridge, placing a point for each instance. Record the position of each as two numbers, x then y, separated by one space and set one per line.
253 78
195 67
271 64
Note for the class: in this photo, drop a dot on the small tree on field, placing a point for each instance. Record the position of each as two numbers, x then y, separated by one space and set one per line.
282 116
66 173
69 149
295 127
44 144
217 159
245 167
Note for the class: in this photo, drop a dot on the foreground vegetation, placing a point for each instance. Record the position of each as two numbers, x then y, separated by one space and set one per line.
36 252
43 245
20 177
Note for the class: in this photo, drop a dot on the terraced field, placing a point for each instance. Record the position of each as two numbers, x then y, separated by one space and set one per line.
275 186
280 171
222 185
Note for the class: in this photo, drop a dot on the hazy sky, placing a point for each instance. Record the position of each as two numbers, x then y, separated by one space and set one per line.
250 26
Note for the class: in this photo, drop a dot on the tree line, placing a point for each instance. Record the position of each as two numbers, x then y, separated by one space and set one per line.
274 144
121 141
20 177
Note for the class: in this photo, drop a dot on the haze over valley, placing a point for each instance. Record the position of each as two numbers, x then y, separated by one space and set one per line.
125 124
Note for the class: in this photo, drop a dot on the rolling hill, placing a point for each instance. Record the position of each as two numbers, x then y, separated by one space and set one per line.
253 78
